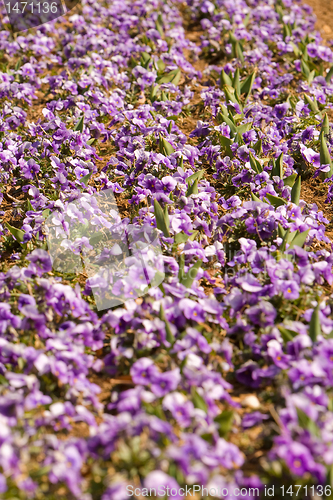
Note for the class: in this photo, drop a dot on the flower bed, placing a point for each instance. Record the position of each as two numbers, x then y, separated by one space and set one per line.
222 375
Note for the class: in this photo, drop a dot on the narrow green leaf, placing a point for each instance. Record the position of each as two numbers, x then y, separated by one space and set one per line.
161 223
193 189
231 125
247 84
258 147
225 79
92 141
160 65
290 181
85 178
197 175
286 334
325 157
277 169
281 231
181 272
225 421
325 128
236 82
296 191
299 239
169 336
311 103
239 52
230 94
29 206
276 201
145 59
329 75
255 164
255 198
181 238
46 213
171 77
305 68
193 235
198 400
166 216
165 147
79 126
17 233
314 326
159 25
191 274
241 129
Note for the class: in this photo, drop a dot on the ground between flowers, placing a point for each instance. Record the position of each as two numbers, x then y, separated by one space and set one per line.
211 122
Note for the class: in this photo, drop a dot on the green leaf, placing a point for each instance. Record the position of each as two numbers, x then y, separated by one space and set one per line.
193 189
225 79
79 126
196 176
236 82
46 213
296 191
276 201
225 421
193 235
29 206
258 147
311 103
161 223
231 125
198 400
17 233
314 326
255 164
325 157
299 239
181 272
165 147
290 181
160 65
306 422
181 237
172 77
159 25
239 51
166 216
255 198
191 274
329 75
230 94
278 167
169 336
281 231
85 178
92 141
286 334
247 84
325 128
311 77
145 59
241 129
226 143
305 68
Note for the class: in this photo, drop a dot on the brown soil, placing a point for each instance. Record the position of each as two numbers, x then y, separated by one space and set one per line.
323 9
